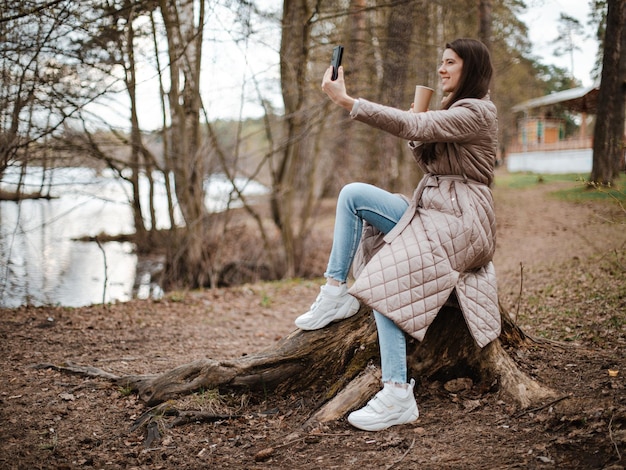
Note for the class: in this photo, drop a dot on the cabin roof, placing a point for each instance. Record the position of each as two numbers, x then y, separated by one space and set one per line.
581 100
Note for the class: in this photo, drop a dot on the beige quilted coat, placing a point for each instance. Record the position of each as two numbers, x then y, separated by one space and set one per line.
446 238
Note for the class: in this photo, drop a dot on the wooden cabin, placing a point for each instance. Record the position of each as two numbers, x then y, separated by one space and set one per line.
540 144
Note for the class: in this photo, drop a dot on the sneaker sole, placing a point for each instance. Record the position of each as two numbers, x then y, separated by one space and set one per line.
408 417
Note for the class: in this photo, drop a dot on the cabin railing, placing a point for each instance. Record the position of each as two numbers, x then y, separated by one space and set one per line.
569 144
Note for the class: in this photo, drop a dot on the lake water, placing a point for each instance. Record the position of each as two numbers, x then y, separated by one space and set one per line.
41 261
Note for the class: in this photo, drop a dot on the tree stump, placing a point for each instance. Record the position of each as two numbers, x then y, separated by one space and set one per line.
332 357
338 361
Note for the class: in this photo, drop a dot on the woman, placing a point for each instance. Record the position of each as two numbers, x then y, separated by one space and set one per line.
417 252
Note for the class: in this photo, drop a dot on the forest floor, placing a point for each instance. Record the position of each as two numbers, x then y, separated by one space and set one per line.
562 277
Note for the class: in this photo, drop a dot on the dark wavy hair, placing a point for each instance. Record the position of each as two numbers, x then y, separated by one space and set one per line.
474 81
476 73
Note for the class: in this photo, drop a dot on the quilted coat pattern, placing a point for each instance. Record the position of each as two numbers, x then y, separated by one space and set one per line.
446 238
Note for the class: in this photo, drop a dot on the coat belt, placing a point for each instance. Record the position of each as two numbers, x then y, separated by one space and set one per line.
429 180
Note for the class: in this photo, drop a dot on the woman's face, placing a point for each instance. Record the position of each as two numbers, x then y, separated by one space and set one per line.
450 70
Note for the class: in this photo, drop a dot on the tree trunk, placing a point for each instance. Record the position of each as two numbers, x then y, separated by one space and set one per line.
485 22
392 152
142 239
187 261
294 60
608 139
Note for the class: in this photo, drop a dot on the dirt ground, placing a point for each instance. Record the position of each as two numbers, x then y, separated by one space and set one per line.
561 268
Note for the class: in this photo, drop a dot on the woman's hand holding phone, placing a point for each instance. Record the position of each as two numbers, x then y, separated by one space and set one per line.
333 82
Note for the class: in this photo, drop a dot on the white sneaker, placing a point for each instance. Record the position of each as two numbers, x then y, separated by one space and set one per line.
328 308
387 408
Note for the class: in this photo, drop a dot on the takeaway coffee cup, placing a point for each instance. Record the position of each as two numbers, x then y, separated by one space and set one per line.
422 98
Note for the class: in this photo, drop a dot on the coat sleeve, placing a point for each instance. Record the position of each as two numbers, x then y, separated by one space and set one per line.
461 123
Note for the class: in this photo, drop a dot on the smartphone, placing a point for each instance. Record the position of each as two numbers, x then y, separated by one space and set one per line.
336 61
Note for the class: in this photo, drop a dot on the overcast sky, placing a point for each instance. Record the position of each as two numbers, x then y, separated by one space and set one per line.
542 20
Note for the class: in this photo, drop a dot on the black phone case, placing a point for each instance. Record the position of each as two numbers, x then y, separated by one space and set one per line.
336 61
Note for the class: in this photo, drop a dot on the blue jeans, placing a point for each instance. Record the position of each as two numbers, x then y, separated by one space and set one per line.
358 202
